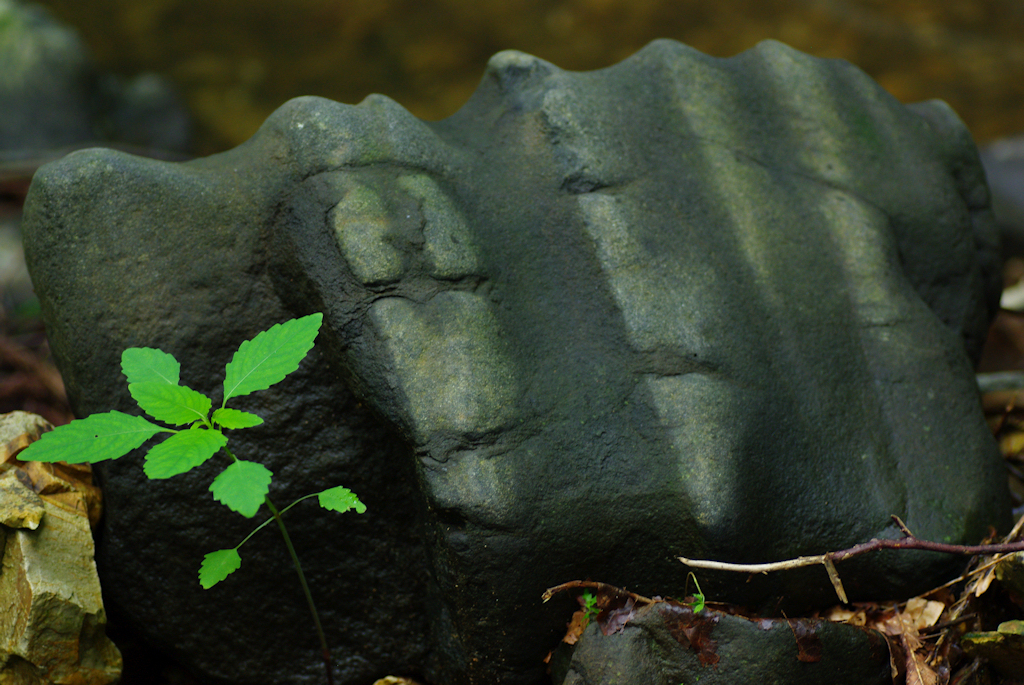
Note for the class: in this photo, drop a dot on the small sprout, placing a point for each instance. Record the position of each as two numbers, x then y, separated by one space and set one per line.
590 608
698 597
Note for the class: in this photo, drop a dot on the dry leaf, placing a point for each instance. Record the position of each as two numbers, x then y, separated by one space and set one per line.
902 626
918 671
923 613
840 614
985 581
807 643
692 630
616 619
575 628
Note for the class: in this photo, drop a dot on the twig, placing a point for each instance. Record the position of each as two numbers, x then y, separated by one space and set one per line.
903 526
967 574
966 672
939 627
594 585
827 559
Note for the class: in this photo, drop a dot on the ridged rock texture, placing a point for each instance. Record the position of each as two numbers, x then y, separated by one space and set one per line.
719 308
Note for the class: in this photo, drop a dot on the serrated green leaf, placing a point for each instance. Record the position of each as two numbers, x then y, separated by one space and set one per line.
217 566
340 499
270 356
242 487
233 418
145 365
110 435
173 404
182 452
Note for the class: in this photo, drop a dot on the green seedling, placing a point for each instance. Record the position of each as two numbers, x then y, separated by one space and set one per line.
198 435
698 597
590 608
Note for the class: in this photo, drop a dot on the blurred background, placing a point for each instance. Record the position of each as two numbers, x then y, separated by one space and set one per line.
235 62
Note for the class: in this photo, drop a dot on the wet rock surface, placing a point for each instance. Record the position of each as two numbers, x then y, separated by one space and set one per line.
684 305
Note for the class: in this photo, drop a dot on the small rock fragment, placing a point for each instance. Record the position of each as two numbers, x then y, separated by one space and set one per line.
18 430
20 506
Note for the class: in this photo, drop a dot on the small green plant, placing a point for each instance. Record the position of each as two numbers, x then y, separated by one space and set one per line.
590 608
241 486
698 597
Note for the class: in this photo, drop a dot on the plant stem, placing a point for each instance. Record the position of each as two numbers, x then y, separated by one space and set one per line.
267 522
305 589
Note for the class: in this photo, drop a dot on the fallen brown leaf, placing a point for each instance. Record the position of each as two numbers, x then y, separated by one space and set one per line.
923 613
692 631
614 620
918 671
575 627
807 643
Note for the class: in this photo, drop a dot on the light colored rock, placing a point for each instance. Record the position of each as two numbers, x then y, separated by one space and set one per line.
68 484
19 429
51 611
52 608
20 506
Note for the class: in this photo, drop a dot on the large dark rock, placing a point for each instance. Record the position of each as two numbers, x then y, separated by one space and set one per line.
723 308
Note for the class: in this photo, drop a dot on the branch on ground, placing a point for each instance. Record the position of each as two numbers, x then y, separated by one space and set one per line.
594 585
829 558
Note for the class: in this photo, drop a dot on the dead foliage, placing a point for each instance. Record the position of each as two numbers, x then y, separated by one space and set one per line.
29 381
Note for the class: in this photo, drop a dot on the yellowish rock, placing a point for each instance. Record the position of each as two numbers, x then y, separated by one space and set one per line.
19 429
53 616
69 485
20 506
51 611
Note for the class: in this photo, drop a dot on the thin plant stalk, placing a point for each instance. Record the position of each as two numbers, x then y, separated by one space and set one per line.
325 650
305 588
